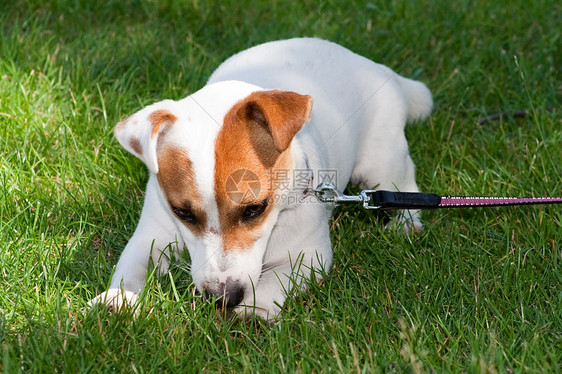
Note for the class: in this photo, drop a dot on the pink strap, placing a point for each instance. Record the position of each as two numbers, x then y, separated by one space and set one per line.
454 201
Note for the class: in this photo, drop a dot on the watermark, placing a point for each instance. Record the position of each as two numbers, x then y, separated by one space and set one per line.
243 186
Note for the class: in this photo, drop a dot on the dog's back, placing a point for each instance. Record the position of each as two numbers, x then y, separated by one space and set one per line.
354 98
327 71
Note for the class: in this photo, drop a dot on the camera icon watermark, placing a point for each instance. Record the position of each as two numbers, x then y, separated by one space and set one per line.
243 186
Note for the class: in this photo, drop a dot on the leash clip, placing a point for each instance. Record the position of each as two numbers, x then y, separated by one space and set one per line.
329 193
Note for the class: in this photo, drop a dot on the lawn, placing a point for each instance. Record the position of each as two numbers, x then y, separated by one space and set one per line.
479 290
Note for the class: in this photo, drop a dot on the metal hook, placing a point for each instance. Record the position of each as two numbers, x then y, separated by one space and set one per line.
329 193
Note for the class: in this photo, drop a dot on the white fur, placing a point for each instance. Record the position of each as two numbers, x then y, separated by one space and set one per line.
356 128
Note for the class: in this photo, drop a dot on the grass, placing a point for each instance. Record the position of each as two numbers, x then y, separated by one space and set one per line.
478 291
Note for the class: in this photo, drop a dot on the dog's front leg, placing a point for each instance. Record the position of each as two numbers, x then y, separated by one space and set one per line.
154 235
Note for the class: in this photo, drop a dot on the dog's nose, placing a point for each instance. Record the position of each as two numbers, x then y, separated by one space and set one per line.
227 294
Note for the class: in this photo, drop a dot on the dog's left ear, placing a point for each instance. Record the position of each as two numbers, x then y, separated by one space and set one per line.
139 133
281 113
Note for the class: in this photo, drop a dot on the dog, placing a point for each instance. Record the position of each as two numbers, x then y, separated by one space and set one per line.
232 168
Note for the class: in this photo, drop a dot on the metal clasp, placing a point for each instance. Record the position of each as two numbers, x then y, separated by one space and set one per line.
329 193
366 196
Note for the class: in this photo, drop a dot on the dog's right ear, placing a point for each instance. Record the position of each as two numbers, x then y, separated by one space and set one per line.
139 133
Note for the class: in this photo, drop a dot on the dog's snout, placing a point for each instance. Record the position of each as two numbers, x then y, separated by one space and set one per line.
227 294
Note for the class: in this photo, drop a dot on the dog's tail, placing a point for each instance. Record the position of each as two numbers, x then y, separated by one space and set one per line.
418 97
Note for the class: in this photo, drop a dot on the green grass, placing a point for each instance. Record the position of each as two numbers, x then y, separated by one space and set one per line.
478 291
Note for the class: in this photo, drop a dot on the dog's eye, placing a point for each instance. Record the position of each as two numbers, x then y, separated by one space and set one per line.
254 211
185 215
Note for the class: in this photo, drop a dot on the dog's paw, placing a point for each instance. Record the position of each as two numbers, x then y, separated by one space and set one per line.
247 312
115 299
407 221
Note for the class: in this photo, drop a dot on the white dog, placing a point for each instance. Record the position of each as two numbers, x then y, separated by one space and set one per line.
231 168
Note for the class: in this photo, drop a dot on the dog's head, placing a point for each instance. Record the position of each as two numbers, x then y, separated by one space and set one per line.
217 156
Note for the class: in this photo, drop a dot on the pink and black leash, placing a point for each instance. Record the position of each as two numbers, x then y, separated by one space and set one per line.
391 200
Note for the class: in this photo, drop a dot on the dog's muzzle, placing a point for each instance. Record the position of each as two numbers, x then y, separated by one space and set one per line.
227 295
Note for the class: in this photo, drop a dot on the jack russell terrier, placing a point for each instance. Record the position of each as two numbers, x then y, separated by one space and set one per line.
232 166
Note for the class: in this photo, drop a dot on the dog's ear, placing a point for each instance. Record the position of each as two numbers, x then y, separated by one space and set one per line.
281 113
139 133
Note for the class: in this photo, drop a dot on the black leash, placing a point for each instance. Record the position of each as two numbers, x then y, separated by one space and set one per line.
391 200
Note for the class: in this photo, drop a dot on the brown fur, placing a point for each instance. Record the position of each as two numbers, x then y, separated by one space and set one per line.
136 145
160 117
177 180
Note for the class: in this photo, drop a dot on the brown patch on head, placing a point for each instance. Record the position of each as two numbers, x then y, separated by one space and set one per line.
158 117
177 181
256 137
135 145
